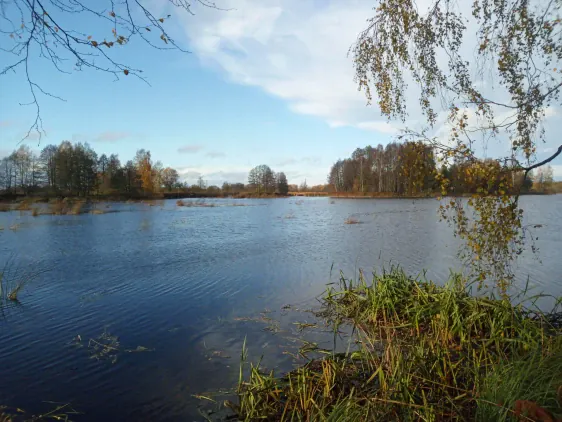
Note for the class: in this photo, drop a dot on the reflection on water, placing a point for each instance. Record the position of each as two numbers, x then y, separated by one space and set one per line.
146 307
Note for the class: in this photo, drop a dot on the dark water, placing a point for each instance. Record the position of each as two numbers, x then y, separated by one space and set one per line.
177 280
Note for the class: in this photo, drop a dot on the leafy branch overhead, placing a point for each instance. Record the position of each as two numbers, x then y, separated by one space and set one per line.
504 94
73 35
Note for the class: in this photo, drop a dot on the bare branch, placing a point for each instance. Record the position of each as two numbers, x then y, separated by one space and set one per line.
43 28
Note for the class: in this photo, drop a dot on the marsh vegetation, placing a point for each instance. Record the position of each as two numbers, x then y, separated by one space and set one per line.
419 352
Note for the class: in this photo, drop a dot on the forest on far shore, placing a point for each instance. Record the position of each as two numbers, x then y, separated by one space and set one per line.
399 169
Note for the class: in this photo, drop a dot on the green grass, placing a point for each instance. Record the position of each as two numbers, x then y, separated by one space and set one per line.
427 352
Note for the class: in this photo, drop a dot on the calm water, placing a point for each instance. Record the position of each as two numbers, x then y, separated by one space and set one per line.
179 282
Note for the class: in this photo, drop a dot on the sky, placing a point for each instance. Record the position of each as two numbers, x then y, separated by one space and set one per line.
265 82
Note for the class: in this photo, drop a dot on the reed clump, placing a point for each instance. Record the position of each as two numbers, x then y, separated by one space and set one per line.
57 207
427 352
76 207
14 277
24 205
198 203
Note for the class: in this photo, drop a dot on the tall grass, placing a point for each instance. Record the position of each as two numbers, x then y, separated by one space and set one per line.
76 208
426 352
24 205
13 278
57 207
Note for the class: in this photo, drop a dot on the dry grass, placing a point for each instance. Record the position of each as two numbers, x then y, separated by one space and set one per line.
352 220
97 211
57 207
13 278
5 207
76 208
156 203
198 203
24 205
35 212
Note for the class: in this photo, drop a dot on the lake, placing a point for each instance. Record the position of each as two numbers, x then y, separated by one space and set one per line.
173 292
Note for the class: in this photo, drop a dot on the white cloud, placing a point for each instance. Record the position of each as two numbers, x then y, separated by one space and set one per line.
216 175
292 49
109 136
384 127
298 51
190 149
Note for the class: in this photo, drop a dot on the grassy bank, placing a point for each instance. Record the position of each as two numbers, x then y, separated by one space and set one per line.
420 352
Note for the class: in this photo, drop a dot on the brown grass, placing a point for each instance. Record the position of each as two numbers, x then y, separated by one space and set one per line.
24 205
97 211
180 203
76 208
35 212
352 220
5 207
57 207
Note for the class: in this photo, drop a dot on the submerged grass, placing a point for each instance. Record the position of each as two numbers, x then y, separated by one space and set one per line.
427 352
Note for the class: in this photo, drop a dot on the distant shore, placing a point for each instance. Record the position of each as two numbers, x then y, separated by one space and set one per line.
18 198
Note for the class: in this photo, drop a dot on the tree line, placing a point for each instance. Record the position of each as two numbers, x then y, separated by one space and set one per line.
71 169
410 168
398 168
77 170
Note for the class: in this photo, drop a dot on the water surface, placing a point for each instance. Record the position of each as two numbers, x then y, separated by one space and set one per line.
179 282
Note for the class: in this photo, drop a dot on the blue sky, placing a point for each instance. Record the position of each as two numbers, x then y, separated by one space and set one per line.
266 83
